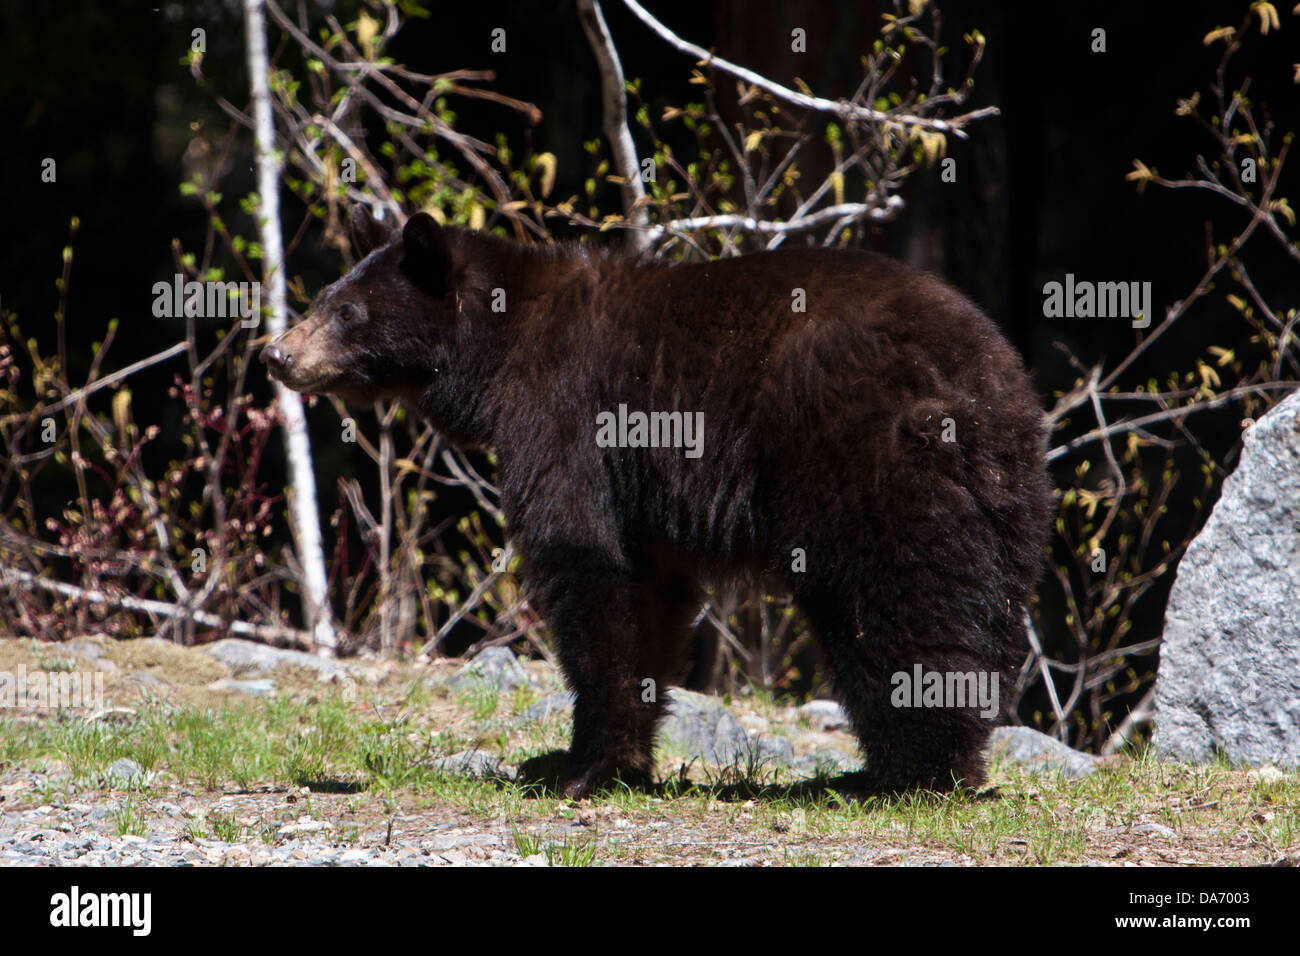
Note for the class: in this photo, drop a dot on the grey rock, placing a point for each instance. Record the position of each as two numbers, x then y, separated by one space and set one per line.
827 762
755 724
452 840
288 831
1229 675
250 688
549 706
771 750
148 679
91 651
1156 829
123 773
824 715
1036 752
495 667
699 726
84 647
475 763
248 659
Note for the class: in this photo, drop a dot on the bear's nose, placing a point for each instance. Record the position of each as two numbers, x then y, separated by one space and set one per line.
276 357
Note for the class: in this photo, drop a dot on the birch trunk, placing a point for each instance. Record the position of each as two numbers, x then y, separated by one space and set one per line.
303 512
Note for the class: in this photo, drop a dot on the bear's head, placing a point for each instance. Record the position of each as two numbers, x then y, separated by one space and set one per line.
380 330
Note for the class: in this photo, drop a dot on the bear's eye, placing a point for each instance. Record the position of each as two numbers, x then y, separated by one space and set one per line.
350 312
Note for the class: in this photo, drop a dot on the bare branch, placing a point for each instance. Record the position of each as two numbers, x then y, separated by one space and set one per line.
1169 414
14 579
73 398
841 108
1139 716
849 211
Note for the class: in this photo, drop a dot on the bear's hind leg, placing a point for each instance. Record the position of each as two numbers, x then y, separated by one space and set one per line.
910 741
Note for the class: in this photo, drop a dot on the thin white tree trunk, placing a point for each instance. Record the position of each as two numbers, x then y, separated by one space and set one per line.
304 515
614 118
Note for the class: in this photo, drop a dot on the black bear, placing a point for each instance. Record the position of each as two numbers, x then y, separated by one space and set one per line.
831 420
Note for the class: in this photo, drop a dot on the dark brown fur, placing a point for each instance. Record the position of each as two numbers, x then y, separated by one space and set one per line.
822 431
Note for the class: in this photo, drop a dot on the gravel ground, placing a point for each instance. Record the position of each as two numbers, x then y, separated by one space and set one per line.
48 818
82 834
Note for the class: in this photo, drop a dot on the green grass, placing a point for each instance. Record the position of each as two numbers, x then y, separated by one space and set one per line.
128 820
225 827
526 843
570 851
384 755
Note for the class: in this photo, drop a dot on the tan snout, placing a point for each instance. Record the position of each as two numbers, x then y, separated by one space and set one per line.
300 357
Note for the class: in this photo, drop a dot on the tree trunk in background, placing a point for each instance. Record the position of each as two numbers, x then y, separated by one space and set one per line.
304 514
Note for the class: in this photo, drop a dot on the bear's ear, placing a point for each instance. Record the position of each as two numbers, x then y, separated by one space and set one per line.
368 233
428 256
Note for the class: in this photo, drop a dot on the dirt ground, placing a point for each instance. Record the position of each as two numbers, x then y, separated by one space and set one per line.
1129 813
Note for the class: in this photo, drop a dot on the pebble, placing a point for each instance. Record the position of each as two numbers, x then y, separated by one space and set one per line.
123 773
824 715
1156 829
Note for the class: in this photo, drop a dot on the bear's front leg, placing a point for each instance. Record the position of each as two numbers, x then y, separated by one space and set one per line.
591 609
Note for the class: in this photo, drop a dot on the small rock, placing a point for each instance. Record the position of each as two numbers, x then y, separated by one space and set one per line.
697 726
303 825
826 762
1266 774
1156 829
124 772
754 724
549 706
495 667
772 750
474 763
824 715
250 688
1038 753
451 840
250 659
87 648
